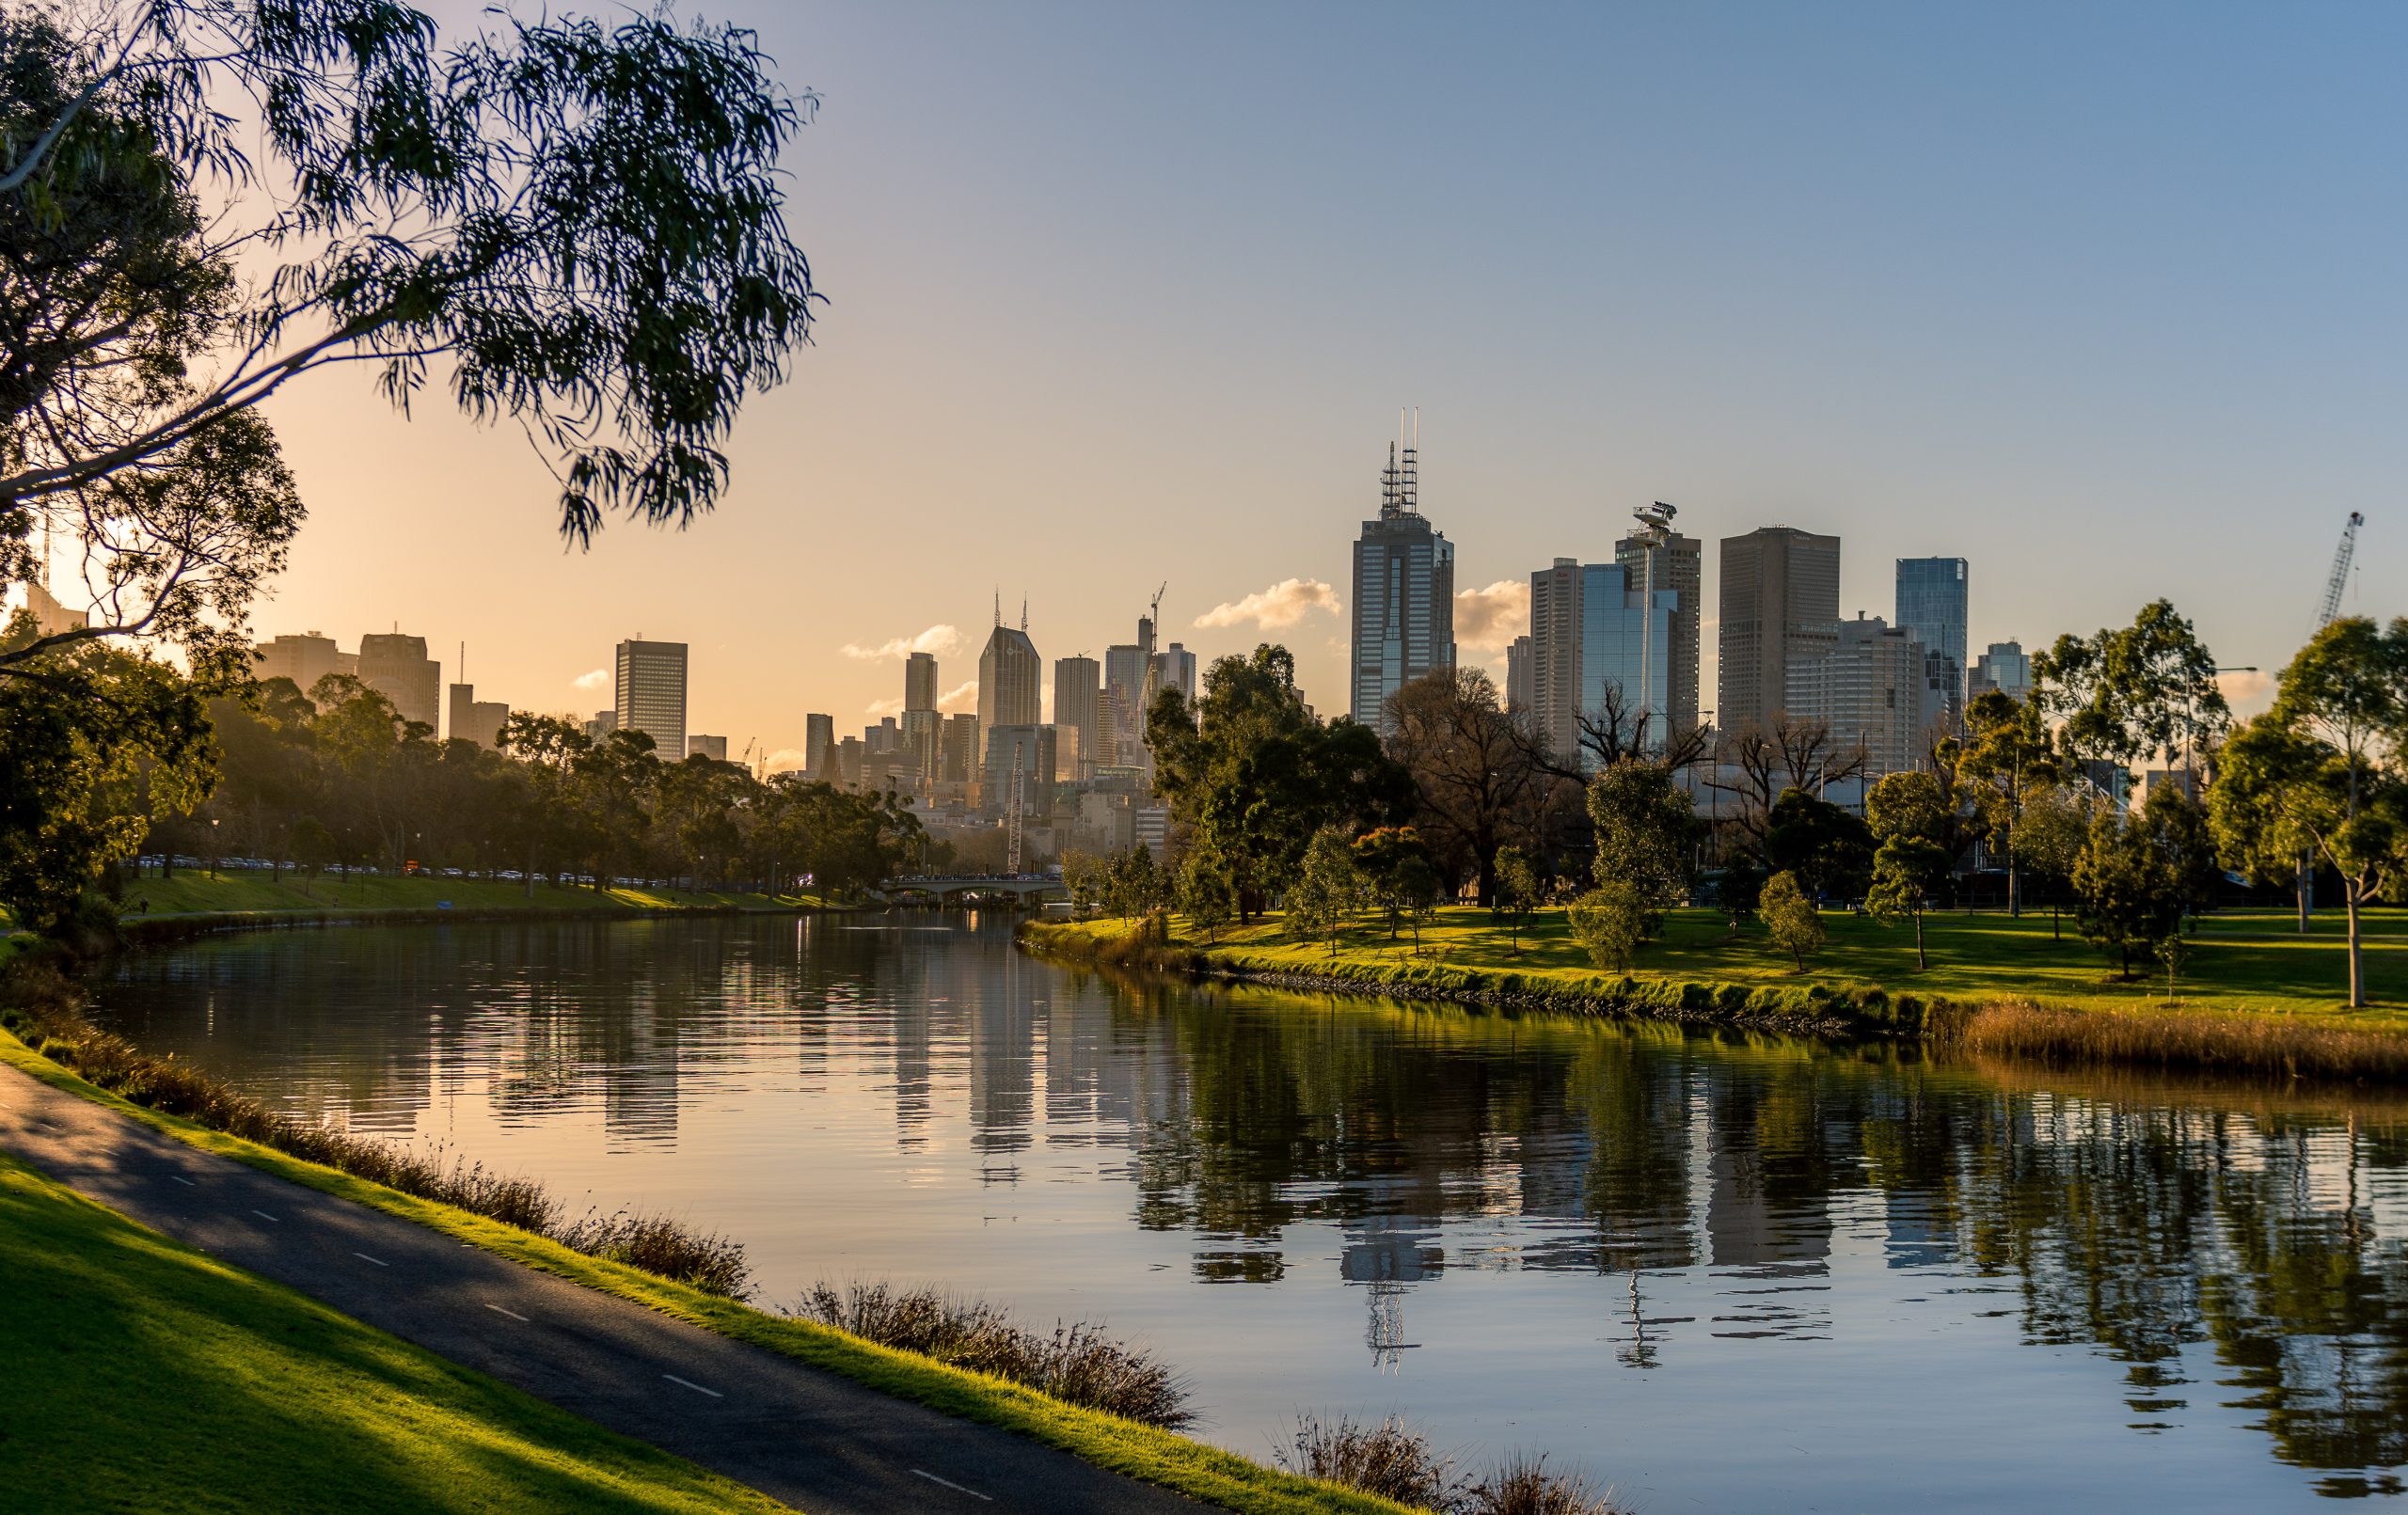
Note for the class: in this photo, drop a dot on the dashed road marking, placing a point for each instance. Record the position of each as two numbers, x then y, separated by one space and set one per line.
512 1313
923 1473
265 1216
181 1179
692 1384
378 1261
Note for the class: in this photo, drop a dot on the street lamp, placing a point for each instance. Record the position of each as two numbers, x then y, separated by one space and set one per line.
213 847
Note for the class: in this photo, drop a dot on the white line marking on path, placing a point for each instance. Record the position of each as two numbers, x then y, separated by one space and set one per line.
378 1261
265 1216
512 1313
690 1385
950 1484
181 1179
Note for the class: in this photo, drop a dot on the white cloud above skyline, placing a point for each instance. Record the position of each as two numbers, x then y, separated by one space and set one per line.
1488 619
960 700
1275 609
938 639
598 679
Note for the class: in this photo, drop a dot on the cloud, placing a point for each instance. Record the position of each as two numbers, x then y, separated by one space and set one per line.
960 701
1489 619
877 708
786 760
940 638
1282 604
599 678
2249 694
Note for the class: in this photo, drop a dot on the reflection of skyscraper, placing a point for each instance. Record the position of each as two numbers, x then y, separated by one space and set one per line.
1405 595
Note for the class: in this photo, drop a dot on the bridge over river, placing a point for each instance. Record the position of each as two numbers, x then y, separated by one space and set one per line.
1024 888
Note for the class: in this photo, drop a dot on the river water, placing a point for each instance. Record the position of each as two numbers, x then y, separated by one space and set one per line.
1722 1272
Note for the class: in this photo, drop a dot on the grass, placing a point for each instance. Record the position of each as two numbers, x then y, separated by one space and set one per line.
2255 963
1204 1473
147 1376
1391 1458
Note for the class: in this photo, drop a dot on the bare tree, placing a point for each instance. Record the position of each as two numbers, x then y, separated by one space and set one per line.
1756 763
1613 731
1480 774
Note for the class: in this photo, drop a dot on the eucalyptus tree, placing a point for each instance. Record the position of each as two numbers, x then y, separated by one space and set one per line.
2323 776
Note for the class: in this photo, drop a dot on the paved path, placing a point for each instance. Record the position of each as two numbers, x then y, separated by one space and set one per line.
816 1440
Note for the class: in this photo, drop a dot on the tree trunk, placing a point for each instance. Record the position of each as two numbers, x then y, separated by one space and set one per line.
1921 961
2306 889
2014 887
2357 959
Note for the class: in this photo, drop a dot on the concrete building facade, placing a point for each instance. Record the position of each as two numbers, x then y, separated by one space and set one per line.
303 659
1779 603
2005 667
396 667
471 720
1078 693
1869 686
652 694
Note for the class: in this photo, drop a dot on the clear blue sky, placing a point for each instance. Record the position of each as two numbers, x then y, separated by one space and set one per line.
2106 298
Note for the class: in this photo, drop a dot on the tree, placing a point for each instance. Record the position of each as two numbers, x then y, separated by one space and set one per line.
2321 774
1908 871
1135 885
2051 838
1758 764
1789 914
1396 867
1478 773
1519 888
1646 829
1251 774
2007 759
1084 874
1739 890
1912 804
1614 729
578 224
1204 893
1611 922
2132 692
2127 898
1326 889
1828 850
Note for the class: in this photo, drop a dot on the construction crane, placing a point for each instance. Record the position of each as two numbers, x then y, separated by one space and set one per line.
2331 605
1154 611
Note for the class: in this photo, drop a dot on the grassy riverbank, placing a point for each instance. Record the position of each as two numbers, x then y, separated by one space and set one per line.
277 1401
1204 1473
2254 994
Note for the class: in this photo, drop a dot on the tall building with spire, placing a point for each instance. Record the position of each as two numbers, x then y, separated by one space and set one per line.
1011 677
1404 594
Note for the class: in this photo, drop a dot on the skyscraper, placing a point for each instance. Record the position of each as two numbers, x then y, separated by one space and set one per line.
1077 700
1518 682
920 682
1931 608
1593 632
303 659
1679 567
652 694
473 720
1011 678
1174 668
1781 598
818 744
1404 594
397 667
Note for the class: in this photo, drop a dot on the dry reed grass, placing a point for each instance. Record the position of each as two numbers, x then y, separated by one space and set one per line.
2197 1040
39 1005
1076 1363
1395 1462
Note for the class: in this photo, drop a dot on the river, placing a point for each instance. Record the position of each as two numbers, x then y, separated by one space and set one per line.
1719 1271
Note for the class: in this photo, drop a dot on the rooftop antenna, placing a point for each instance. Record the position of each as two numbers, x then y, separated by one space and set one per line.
999 605
1023 613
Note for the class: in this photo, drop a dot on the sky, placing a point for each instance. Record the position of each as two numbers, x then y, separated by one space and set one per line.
2105 298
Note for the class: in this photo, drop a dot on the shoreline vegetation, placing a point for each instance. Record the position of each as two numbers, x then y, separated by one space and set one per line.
2013 992
1111 1404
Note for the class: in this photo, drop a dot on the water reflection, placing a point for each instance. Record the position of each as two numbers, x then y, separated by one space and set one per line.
1750 1211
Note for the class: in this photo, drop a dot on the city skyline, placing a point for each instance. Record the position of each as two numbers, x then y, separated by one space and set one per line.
2038 332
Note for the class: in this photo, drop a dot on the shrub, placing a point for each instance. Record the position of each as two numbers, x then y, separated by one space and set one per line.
1076 1363
1522 1486
1389 1459
1795 925
1611 921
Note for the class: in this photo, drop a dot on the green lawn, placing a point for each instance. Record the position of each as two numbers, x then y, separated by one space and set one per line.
192 892
144 1376
2243 962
